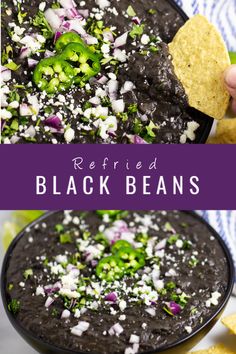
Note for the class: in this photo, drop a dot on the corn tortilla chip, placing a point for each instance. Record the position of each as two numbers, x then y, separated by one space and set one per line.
217 349
200 58
230 323
225 132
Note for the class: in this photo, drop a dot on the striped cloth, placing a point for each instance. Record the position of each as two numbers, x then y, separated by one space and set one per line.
220 12
224 222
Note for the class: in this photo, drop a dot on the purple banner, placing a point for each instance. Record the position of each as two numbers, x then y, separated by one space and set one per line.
117 177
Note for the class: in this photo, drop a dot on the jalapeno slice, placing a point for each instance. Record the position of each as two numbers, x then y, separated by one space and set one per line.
53 75
110 268
132 259
120 244
86 63
66 38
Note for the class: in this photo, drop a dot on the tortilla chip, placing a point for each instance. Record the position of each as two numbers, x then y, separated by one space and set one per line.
200 58
217 349
230 323
225 132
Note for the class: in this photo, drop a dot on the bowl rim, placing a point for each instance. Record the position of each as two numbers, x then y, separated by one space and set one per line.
33 338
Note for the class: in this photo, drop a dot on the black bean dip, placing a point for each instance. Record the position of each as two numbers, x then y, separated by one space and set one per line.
60 286
135 98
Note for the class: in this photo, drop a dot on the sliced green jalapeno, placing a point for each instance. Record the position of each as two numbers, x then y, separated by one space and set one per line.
67 38
132 259
53 75
110 268
86 63
120 244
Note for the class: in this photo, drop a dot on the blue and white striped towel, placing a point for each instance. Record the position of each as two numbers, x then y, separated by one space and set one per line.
224 222
220 12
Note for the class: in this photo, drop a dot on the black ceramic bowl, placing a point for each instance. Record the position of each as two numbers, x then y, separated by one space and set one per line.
180 347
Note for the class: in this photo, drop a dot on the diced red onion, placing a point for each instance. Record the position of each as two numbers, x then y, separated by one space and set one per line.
112 89
65 314
118 106
127 87
5 74
102 80
90 40
84 12
53 19
73 13
161 245
174 308
121 40
54 122
95 100
25 52
25 110
31 132
49 302
109 36
2 123
67 4
48 53
75 273
57 35
112 297
60 13
117 329
74 25
136 139
136 20
94 263
70 267
32 62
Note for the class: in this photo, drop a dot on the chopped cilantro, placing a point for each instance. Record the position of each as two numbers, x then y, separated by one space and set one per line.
59 228
65 238
193 262
137 126
137 31
14 306
150 128
133 108
130 11
86 235
152 11
182 299
41 22
55 313
172 239
21 15
28 273
14 125
14 96
12 66
101 238
187 245
153 49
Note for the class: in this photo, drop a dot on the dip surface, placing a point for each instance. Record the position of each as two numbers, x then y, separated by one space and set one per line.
58 292
135 98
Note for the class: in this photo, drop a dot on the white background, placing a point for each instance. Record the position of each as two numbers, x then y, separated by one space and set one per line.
11 342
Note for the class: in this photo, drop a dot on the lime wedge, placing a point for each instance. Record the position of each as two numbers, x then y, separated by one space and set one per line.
18 220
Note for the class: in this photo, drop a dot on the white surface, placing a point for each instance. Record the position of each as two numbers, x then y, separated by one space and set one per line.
11 342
